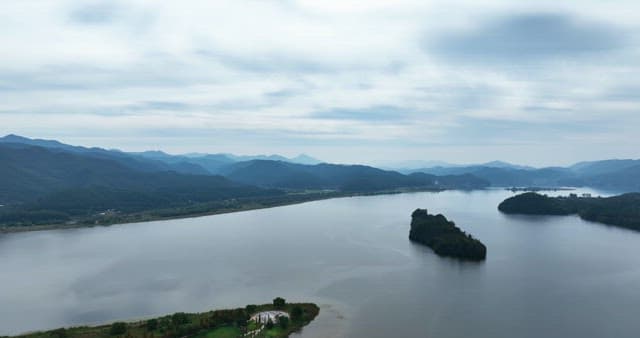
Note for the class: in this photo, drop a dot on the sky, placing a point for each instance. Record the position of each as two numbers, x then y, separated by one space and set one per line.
463 81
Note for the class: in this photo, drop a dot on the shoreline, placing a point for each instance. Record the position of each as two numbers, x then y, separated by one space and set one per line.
192 324
141 217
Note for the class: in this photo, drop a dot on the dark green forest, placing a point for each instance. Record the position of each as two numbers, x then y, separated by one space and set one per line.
622 210
444 237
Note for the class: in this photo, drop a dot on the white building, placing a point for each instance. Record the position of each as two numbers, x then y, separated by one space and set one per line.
265 316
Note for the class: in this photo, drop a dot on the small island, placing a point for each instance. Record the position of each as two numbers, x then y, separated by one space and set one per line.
622 210
444 237
269 320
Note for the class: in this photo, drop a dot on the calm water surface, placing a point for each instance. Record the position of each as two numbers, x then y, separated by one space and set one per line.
543 277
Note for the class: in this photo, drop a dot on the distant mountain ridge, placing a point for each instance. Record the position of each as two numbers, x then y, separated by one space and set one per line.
39 177
127 159
155 160
413 165
619 175
279 174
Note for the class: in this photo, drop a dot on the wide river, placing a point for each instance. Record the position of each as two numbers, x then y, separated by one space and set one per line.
543 277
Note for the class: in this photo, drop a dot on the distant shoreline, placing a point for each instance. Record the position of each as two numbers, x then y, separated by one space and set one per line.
148 216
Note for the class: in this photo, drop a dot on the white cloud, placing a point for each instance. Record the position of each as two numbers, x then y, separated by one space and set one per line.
256 73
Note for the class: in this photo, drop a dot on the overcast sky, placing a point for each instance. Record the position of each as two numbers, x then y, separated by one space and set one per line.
535 82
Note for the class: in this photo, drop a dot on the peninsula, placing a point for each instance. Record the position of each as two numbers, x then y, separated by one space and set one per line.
277 320
622 210
444 237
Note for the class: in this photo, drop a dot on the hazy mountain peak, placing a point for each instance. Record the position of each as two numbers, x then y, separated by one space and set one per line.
13 138
305 159
503 164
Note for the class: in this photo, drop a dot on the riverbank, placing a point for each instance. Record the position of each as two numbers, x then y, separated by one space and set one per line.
203 209
211 324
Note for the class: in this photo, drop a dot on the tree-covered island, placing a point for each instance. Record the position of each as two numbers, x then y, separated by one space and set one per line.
622 210
277 320
444 237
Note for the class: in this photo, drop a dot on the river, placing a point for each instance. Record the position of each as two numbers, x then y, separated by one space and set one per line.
554 276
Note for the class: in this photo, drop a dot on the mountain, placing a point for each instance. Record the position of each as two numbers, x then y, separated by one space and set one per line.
210 164
421 165
626 179
595 168
11 138
279 174
409 165
195 163
300 159
33 174
507 165
617 175
214 163
45 182
508 177
130 160
304 159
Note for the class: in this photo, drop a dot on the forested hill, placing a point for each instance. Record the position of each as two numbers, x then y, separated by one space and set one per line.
41 186
129 160
354 178
156 160
444 237
31 173
622 210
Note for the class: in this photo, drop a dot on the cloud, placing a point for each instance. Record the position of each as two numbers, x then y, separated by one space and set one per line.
263 63
526 37
338 76
100 12
371 114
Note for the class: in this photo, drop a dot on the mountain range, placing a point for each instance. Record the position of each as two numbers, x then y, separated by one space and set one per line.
616 175
194 163
47 177
41 179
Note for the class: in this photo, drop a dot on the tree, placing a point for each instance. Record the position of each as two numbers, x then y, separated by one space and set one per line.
152 324
283 321
118 328
251 308
179 318
60 333
279 302
296 313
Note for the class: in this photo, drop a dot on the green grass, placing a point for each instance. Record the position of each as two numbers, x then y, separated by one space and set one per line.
223 332
275 332
252 326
